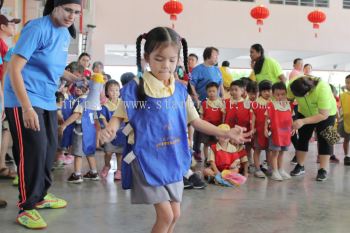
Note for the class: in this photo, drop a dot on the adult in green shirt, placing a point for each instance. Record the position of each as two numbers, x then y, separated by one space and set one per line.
265 68
316 110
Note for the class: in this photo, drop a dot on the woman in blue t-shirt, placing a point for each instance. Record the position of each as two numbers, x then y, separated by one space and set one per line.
36 66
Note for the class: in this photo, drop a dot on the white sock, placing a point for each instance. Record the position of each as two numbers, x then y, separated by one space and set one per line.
189 173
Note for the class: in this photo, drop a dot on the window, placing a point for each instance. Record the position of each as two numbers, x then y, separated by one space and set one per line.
241 0
346 4
310 3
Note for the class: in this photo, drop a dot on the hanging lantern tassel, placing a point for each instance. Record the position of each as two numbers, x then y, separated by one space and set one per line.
316 26
260 22
173 8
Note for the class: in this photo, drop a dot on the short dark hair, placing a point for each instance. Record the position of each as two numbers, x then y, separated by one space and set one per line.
212 84
225 64
279 86
303 85
97 63
246 81
127 77
252 87
193 55
238 83
347 77
110 83
75 67
265 85
307 65
59 96
84 55
208 51
296 60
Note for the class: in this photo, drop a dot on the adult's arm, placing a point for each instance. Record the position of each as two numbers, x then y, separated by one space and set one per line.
321 116
30 118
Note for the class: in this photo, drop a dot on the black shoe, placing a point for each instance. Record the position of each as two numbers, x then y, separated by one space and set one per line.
294 160
187 184
197 182
347 161
333 159
298 171
75 179
91 176
321 175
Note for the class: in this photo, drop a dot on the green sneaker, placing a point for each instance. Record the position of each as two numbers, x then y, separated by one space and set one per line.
15 181
31 219
51 202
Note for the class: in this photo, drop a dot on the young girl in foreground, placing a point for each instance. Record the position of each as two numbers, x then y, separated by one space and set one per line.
158 109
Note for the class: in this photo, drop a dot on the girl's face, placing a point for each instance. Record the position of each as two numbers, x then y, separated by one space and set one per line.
9 29
236 92
113 92
85 61
280 95
266 94
163 61
254 55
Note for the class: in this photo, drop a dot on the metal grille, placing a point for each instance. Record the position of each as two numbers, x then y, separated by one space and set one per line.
311 3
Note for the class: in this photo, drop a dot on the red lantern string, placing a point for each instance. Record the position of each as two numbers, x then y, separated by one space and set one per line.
173 8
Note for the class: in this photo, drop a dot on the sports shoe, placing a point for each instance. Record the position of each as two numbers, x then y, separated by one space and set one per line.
118 175
251 169
31 219
284 174
68 159
259 174
51 202
75 179
187 183
276 176
15 181
197 156
294 161
298 170
321 175
91 176
104 172
197 182
59 164
333 159
3 203
347 161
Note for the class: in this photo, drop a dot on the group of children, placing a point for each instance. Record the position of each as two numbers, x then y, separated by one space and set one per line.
264 111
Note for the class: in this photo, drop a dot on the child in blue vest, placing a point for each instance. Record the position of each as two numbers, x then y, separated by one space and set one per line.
112 92
83 138
158 109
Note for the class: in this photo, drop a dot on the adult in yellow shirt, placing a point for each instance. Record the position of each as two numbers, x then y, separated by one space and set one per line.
316 110
227 78
265 68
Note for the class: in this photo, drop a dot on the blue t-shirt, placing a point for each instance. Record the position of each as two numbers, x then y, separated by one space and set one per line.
202 75
45 47
8 55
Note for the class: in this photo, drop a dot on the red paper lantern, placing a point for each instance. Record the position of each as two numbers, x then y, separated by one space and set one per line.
173 8
316 17
260 13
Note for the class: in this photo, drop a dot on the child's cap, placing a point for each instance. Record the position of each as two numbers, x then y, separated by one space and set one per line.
4 20
224 127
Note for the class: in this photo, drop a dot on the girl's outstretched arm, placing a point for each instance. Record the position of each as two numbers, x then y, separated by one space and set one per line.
237 134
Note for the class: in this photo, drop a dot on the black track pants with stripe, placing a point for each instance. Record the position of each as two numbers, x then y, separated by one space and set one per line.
34 154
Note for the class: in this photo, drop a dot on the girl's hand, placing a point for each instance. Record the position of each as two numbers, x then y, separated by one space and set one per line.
266 132
238 136
61 129
30 119
297 124
107 134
